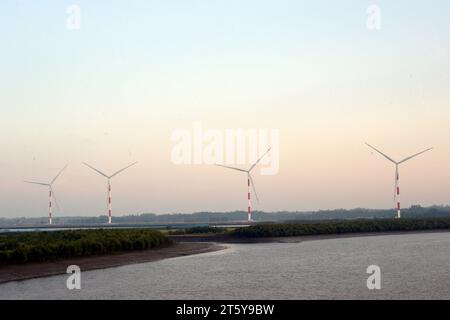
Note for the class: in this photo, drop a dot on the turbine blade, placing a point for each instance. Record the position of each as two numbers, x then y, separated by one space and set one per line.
254 188
59 174
233 168
384 155
415 155
54 197
39 183
98 171
114 174
257 161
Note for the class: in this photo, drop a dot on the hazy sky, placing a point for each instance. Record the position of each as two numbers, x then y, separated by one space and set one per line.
114 91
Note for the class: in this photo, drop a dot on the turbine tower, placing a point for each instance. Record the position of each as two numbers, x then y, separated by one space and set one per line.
397 176
249 183
109 202
51 193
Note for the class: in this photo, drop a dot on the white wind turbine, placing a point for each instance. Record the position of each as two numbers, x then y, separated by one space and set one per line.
51 193
397 176
109 202
249 182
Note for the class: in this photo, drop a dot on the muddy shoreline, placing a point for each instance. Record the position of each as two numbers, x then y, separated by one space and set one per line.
44 269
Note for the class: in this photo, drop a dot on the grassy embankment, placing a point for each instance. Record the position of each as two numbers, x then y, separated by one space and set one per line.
340 227
48 246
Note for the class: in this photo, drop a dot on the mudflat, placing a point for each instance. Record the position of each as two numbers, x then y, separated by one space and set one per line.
43 269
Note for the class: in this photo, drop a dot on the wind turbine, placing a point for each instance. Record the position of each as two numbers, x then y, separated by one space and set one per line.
51 193
249 182
397 176
109 205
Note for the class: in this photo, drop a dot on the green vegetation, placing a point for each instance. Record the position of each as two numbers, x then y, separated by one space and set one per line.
46 246
197 230
338 227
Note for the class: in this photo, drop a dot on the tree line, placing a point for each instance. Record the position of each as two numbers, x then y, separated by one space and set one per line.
197 230
47 246
338 227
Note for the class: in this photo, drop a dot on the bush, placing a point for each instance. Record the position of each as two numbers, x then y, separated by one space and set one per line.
196 230
337 227
47 246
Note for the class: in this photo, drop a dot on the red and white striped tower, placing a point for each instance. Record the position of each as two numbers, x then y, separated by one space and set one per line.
397 192
109 203
50 193
397 176
250 184
249 212
50 205
108 191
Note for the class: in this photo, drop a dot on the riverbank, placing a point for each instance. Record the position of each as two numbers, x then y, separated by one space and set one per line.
226 239
186 245
28 247
44 269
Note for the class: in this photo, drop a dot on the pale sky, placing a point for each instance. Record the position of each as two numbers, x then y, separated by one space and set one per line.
114 91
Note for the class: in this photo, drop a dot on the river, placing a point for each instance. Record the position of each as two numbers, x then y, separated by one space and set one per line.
413 266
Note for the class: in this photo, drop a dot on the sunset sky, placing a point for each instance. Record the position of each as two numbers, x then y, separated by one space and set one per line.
114 91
